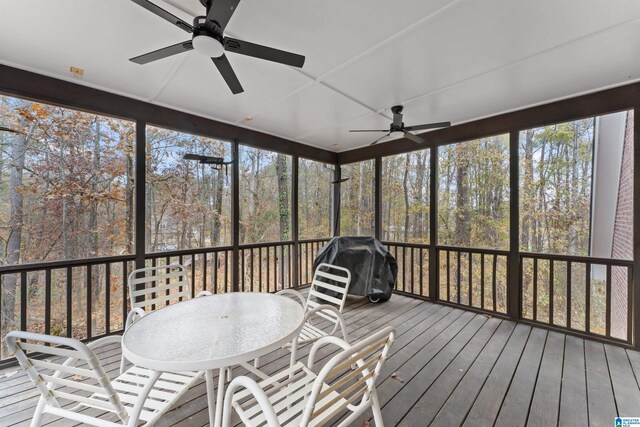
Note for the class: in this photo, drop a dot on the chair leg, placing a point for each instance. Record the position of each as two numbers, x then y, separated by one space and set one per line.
36 421
375 408
294 352
211 400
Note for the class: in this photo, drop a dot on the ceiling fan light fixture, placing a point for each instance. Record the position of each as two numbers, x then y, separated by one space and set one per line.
208 46
396 134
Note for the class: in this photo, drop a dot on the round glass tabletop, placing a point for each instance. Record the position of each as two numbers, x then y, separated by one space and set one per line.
212 332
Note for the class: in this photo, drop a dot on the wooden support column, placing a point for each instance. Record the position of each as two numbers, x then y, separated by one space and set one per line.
140 197
434 274
295 232
377 203
235 215
513 274
636 230
337 176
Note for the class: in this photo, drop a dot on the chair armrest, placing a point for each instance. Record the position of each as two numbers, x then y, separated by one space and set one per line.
131 317
339 322
256 391
294 293
325 341
111 339
204 294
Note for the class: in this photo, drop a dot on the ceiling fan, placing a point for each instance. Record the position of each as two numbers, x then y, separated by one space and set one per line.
397 127
209 40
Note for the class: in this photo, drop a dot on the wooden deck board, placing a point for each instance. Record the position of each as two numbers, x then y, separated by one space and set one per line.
447 367
625 387
573 399
489 401
546 397
601 402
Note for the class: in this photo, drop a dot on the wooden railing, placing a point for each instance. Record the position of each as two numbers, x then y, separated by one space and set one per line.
209 269
475 278
88 299
590 295
266 267
587 296
307 252
84 299
413 267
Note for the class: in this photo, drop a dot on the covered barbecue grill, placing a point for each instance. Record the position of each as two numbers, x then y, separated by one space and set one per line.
373 269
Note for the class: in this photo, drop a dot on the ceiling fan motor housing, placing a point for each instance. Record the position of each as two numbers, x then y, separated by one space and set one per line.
205 41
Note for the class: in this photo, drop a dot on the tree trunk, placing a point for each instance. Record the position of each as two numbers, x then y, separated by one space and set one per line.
16 200
527 189
405 187
283 207
463 224
93 219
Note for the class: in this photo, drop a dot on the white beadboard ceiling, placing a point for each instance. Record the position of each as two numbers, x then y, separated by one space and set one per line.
456 60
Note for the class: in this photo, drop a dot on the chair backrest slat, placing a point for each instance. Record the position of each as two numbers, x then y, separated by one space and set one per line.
47 373
330 284
324 297
158 286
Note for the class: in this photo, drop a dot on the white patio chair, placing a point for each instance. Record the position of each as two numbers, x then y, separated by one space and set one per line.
327 307
157 287
135 395
298 397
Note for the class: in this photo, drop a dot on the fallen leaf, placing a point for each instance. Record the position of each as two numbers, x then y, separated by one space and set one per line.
365 423
396 377
77 378
9 374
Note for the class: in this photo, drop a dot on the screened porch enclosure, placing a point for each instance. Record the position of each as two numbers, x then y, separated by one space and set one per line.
515 236
527 216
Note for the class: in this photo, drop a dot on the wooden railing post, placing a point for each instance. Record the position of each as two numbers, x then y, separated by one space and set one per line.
513 275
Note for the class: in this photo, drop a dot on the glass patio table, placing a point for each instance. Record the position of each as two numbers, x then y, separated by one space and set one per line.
213 333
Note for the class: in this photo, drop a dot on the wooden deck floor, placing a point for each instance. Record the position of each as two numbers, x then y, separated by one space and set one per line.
448 367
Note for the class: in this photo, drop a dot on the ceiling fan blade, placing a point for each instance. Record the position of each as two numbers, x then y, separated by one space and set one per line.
165 15
379 139
414 138
163 53
263 52
429 126
194 157
229 76
221 12
369 130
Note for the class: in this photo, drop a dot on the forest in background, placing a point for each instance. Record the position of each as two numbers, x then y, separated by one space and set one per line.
67 192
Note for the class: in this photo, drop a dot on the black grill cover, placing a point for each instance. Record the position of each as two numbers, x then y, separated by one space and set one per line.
373 269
